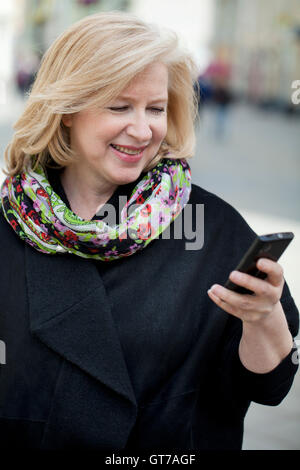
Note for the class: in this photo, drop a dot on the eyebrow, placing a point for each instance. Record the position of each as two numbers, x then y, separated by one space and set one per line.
157 99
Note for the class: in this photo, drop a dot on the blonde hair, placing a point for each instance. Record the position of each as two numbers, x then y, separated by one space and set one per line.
90 64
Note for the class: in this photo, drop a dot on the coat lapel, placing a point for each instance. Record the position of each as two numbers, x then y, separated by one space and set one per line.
70 313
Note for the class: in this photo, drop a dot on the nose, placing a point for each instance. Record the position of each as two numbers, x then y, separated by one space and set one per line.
140 130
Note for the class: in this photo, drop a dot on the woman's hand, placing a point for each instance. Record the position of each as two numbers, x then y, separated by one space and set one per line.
266 339
251 308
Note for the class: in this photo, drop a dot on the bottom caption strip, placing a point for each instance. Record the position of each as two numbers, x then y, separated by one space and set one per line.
152 459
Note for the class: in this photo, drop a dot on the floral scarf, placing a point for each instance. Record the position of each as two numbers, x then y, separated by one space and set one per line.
39 216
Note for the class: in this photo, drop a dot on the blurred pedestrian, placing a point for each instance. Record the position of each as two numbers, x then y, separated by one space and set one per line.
218 74
112 340
203 91
27 67
222 98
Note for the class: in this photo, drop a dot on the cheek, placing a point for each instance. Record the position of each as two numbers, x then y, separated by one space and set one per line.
87 135
110 129
161 131
80 131
81 139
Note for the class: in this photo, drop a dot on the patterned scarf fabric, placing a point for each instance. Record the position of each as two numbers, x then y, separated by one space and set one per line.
42 219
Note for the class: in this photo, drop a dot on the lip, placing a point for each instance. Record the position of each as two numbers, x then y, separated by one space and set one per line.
129 158
130 147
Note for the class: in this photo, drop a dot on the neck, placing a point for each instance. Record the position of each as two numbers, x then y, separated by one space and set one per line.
86 194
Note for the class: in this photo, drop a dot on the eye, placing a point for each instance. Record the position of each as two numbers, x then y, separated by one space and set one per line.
118 108
157 110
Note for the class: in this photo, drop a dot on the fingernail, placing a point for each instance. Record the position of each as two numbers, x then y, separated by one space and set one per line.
261 263
235 275
213 290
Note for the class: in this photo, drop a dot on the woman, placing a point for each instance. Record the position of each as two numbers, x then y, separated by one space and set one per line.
112 340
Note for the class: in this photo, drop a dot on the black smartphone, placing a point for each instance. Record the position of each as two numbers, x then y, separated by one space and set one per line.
264 246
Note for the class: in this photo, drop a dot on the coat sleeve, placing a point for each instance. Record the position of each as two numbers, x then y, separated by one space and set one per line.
239 384
268 388
242 384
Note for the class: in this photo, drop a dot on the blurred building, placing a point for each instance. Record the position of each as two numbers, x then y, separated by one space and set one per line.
9 24
42 22
192 20
260 39
256 43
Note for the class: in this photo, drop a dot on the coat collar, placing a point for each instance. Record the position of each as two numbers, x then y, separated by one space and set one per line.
70 313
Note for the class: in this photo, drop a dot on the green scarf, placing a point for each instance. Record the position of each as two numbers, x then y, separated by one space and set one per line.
39 216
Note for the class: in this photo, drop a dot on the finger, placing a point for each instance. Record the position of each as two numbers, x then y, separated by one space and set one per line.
244 314
258 286
237 311
221 303
273 269
233 299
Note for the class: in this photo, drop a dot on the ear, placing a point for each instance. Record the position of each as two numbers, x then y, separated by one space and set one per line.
67 120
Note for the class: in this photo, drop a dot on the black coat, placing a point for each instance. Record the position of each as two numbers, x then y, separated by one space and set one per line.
129 354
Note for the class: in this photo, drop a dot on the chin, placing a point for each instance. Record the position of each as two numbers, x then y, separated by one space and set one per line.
127 178
128 175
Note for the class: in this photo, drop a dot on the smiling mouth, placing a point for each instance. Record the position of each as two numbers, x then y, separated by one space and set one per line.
128 150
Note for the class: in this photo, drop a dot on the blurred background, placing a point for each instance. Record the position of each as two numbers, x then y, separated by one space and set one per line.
248 128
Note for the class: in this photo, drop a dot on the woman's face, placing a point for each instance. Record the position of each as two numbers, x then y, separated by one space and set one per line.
116 143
